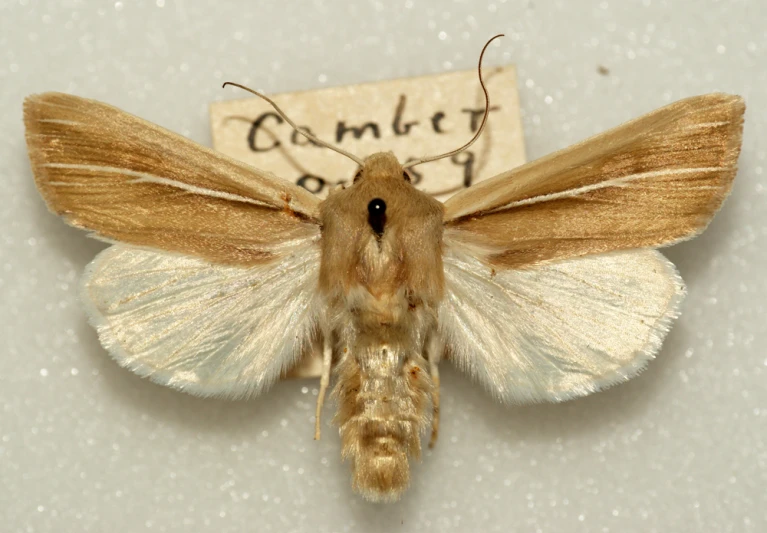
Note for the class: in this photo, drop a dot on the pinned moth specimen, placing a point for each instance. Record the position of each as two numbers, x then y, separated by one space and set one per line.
542 283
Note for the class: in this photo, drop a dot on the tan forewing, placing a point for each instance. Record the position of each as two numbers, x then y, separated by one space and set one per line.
650 182
128 180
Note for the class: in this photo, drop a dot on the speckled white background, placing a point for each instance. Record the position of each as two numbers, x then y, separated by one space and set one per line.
87 446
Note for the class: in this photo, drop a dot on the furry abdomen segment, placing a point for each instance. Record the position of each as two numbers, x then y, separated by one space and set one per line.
383 409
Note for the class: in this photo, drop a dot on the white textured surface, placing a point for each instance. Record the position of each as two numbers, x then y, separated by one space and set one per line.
86 446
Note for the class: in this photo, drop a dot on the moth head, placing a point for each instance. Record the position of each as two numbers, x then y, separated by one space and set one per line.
380 200
381 166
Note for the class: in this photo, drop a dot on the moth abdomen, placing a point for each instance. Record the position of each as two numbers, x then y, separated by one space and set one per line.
382 414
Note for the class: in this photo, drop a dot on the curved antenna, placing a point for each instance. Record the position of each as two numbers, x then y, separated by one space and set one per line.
306 134
481 126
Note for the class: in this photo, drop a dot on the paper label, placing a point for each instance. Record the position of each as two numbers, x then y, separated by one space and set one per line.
412 117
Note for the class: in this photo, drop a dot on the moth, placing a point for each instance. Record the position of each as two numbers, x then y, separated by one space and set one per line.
542 283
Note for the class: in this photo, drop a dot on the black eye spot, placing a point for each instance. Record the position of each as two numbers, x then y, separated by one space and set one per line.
406 176
357 176
377 215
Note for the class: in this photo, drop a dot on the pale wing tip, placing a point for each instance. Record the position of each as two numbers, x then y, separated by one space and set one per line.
33 136
33 100
737 101
33 104
733 100
32 112
51 106
41 107
40 110
736 105
735 109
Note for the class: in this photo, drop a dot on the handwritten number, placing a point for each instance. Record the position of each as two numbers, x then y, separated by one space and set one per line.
311 183
466 160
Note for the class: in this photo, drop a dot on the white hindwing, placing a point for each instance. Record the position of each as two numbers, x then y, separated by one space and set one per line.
558 330
207 329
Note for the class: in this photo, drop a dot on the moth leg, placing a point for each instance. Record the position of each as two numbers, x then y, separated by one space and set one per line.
434 354
434 370
327 356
